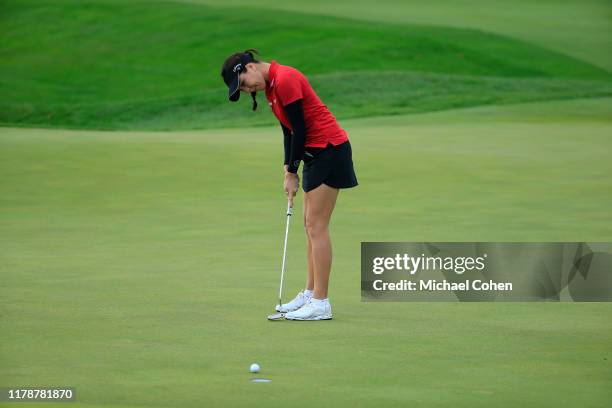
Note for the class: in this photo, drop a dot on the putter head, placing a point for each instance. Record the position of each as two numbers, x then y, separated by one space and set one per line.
276 316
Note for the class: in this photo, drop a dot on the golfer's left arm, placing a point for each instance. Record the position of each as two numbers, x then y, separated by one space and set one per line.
287 144
295 114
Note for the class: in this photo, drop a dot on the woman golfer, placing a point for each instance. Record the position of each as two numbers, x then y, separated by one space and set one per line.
312 134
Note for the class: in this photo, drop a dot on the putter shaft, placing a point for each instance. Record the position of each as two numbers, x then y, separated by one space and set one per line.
280 291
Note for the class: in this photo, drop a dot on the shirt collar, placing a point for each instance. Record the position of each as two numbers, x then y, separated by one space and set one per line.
272 72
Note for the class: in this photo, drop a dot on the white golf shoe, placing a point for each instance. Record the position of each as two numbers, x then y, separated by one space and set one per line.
313 310
299 301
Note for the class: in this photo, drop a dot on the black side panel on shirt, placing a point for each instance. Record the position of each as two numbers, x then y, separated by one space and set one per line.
295 114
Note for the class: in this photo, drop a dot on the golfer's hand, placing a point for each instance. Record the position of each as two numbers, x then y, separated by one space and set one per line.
292 183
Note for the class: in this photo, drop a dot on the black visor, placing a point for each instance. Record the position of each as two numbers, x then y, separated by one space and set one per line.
232 76
232 80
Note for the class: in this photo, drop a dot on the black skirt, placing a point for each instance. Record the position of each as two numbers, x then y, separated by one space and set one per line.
332 165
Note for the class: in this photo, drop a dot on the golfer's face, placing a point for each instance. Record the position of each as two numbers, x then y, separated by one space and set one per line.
250 82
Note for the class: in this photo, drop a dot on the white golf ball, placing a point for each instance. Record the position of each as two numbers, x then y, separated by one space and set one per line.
254 368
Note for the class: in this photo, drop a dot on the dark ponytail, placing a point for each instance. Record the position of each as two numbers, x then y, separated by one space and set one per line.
250 51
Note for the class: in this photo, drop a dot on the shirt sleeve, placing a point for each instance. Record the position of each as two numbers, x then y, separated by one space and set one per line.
286 142
289 90
295 114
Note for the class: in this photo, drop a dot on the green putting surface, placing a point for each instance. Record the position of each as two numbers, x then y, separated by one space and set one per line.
139 267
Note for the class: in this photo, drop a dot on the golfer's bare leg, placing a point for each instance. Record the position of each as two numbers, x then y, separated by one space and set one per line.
321 202
310 277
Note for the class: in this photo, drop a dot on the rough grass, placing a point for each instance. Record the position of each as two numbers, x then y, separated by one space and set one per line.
113 65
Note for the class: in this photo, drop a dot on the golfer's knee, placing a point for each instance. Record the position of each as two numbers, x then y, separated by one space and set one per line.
315 228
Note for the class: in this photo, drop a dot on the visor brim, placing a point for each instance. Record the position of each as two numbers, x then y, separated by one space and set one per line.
234 91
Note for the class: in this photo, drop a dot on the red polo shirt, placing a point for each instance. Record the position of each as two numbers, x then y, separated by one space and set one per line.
285 85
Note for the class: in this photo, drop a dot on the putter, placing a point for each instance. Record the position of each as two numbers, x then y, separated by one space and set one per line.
280 315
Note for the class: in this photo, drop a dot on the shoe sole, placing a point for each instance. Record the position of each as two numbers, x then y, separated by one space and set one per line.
311 318
287 311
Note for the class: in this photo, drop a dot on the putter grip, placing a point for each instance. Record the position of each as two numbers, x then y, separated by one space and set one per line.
289 209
